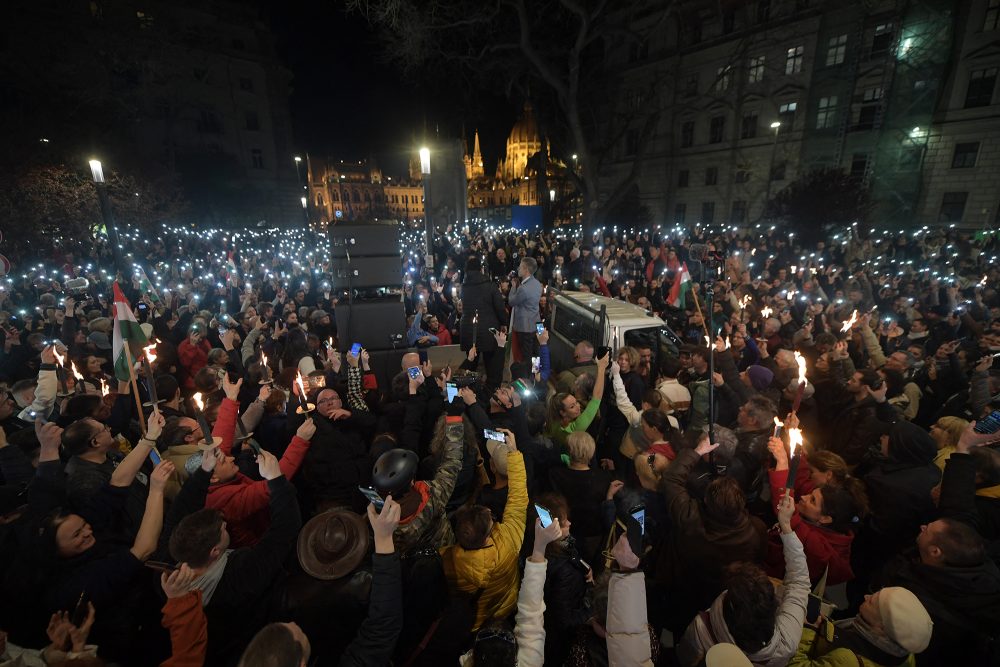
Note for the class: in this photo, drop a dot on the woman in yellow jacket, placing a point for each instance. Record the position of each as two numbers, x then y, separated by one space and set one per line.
484 562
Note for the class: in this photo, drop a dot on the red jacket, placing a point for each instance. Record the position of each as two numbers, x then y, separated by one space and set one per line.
185 619
444 336
245 501
193 358
824 548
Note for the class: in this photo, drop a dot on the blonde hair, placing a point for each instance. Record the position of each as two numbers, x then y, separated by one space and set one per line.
953 426
631 353
580 447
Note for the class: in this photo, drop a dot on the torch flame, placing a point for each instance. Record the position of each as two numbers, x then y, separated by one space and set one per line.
263 359
846 326
150 351
104 388
778 422
197 400
60 359
801 361
76 373
766 311
329 342
794 439
302 386
728 344
746 301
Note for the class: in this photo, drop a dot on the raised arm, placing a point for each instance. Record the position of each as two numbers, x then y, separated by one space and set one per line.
152 519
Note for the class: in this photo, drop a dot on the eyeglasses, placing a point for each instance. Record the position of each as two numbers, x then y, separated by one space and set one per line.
330 400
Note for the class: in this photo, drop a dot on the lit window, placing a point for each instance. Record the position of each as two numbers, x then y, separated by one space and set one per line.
836 50
826 113
793 59
756 69
722 79
992 18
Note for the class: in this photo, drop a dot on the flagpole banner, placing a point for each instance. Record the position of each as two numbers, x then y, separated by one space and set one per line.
126 329
680 288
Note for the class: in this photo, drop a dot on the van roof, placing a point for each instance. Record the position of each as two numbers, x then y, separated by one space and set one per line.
620 312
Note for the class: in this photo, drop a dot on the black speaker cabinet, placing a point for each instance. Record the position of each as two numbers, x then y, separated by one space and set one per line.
364 240
365 272
377 325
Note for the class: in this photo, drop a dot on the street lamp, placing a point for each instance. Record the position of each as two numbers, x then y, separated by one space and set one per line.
425 172
776 126
97 173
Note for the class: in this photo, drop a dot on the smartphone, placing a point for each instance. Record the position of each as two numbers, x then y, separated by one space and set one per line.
452 390
544 515
990 424
634 530
80 611
602 351
155 457
539 328
222 331
37 417
143 306
494 435
356 350
639 514
414 372
373 497
160 566
423 356
813 608
536 364
494 331
254 446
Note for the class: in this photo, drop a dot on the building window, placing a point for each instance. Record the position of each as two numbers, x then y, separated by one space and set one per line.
827 112
712 176
145 20
722 79
729 22
778 172
631 142
793 59
836 50
742 176
763 11
694 33
859 166
991 20
716 129
319 200
882 40
246 84
209 123
691 85
707 212
953 206
687 134
680 212
980 90
756 74
965 155
738 213
252 121
786 116
257 158
683 178
748 125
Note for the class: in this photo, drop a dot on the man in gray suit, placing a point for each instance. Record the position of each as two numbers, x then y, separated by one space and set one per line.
525 293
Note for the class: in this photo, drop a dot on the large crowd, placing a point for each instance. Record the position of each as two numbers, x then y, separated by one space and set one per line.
192 473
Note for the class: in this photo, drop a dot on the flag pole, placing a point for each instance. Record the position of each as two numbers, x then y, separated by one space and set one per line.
135 387
697 306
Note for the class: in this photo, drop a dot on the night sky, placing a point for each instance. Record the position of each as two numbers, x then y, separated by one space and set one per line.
349 104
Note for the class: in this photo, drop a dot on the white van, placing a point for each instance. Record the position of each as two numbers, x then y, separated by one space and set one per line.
577 316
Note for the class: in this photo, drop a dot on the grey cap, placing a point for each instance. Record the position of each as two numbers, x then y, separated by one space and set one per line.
100 340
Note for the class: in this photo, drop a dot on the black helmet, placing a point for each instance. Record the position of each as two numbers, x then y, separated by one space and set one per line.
394 472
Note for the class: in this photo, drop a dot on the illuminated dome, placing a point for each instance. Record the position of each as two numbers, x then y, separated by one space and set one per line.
522 143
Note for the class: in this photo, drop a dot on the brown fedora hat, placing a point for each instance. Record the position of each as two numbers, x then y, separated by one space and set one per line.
332 544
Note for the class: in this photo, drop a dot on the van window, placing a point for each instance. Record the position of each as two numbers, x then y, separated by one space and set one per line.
575 326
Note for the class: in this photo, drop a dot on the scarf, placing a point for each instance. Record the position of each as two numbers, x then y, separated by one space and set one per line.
210 579
881 642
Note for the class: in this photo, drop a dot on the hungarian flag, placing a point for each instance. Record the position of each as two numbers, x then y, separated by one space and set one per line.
680 288
126 330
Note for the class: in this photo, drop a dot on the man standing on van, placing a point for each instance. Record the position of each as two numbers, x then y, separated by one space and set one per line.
525 293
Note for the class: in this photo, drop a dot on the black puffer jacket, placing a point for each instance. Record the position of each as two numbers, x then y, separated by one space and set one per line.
481 296
338 464
565 599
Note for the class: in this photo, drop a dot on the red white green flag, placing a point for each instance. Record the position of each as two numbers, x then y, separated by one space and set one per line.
680 288
126 329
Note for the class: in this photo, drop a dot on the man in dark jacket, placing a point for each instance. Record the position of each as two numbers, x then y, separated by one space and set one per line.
239 587
859 412
285 643
482 309
706 537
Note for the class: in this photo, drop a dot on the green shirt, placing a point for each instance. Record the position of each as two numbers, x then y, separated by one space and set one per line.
558 433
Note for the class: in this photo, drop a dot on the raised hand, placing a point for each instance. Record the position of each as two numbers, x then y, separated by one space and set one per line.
307 429
232 389
177 584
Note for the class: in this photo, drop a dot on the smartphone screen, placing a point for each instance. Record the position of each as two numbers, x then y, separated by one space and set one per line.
452 390
373 497
544 515
154 456
639 514
356 350
414 372
539 328
991 424
160 566
536 364
494 435
423 356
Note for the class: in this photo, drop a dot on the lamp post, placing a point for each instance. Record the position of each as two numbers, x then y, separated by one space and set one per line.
97 172
425 173
305 186
776 126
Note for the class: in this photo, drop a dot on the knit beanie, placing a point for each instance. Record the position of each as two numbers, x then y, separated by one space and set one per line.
760 377
905 620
